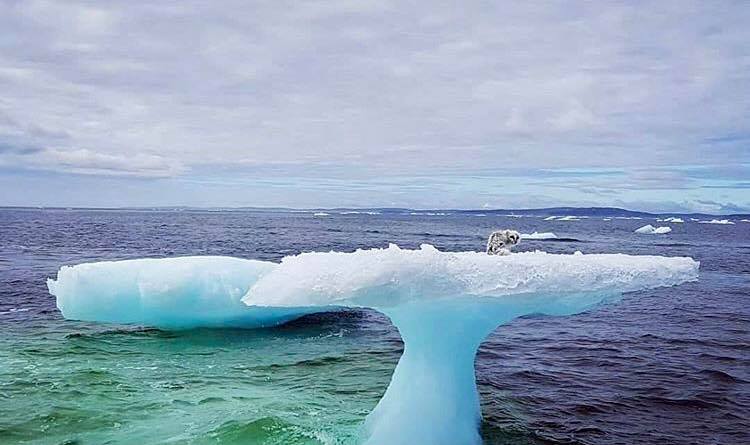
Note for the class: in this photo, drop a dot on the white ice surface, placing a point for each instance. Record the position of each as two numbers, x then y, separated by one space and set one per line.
717 221
538 235
648 229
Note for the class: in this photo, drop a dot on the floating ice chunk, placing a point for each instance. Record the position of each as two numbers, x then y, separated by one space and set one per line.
550 218
651 230
179 292
672 219
569 218
321 214
718 221
538 235
745 220
443 304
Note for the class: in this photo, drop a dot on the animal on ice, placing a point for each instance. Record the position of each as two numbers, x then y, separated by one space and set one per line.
501 241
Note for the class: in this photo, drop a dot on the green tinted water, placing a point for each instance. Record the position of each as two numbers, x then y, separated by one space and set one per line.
307 383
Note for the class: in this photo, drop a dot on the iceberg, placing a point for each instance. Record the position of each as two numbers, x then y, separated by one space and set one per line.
538 235
443 303
672 219
651 230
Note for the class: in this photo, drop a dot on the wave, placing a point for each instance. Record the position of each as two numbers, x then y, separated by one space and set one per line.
443 303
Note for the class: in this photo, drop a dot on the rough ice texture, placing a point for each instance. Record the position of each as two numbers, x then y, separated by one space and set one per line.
538 235
392 276
443 304
648 229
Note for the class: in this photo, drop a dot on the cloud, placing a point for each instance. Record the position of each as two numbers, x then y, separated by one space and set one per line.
380 89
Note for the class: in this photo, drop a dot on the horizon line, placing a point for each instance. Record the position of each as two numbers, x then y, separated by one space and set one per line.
526 210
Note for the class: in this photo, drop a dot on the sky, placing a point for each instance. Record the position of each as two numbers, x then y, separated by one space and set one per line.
642 105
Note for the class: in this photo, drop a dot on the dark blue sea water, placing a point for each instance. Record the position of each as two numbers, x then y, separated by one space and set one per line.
665 366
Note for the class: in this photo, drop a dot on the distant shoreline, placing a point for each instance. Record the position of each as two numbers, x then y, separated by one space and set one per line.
548 211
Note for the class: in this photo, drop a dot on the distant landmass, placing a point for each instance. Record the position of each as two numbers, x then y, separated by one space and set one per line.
547 211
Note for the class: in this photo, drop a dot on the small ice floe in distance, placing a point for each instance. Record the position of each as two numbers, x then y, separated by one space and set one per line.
550 218
672 219
717 221
320 214
651 230
538 235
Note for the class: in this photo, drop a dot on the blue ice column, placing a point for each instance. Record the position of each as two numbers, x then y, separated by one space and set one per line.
432 398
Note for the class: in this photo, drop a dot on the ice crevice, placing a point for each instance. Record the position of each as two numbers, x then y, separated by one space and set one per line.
443 303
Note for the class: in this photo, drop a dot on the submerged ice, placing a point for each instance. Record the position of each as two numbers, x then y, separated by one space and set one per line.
444 304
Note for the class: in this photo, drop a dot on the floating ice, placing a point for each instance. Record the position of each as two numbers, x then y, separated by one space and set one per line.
672 219
538 235
181 292
550 218
651 230
717 221
443 304
321 214
569 218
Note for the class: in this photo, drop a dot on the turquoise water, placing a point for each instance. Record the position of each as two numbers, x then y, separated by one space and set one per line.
312 382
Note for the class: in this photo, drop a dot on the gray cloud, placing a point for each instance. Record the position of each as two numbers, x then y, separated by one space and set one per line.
390 85
603 98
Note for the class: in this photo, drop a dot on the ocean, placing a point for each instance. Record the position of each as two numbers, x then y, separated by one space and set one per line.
663 366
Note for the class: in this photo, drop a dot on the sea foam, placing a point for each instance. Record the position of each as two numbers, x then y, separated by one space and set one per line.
444 304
